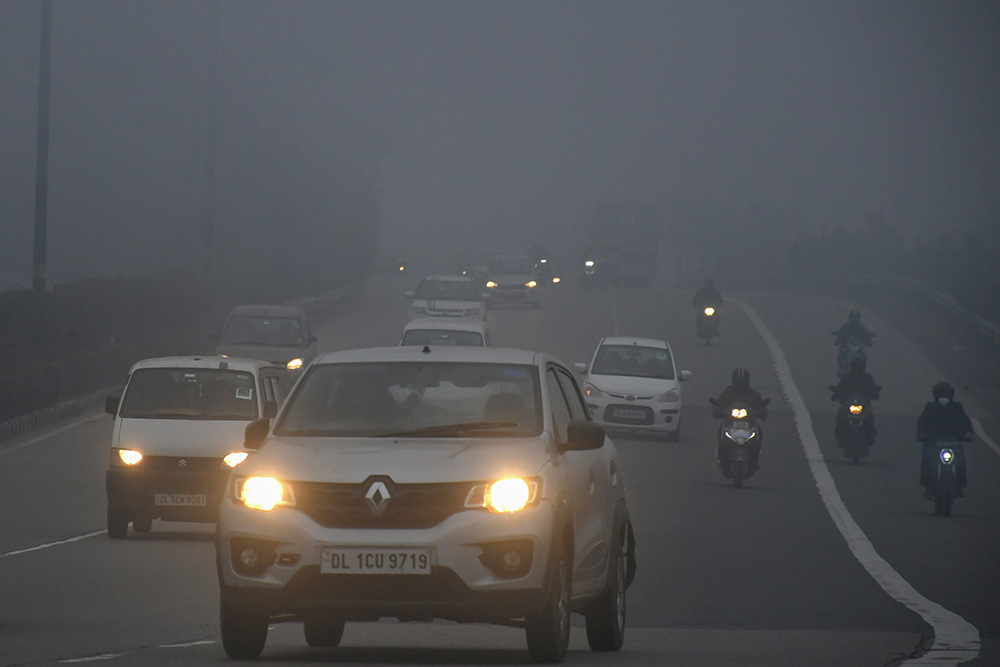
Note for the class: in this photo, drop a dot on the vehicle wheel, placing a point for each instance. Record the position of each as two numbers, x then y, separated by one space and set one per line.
117 520
243 634
674 436
945 494
738 473
323 631
142 523
606 616
548 630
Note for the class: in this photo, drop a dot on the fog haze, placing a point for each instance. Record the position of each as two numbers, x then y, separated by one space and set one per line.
488 124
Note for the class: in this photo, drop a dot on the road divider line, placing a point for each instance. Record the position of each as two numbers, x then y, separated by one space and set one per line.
955 639
981 432
54 544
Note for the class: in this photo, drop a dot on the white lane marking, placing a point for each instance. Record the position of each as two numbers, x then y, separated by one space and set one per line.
199 642
955 639
54 544
978 428
93 658
46 436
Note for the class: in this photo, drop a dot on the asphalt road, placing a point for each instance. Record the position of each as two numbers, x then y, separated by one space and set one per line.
762 575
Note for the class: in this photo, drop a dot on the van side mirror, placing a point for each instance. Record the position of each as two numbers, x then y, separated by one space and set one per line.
583 435
111 405
684 376
270 409
256 431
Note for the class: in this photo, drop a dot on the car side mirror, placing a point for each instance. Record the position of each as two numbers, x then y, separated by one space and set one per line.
580 367
270 409
409 294
583 435
685 375
111 405
256 431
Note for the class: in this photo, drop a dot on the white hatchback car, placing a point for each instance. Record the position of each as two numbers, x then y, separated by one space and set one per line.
632 384
435 331
179 429
454 483
447 296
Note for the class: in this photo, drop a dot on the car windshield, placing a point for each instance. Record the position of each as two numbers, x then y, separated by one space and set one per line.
404 399
512 267
190 393
450 290
256 330
633 360
442 337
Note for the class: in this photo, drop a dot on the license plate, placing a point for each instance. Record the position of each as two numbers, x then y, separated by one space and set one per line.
629 414
181 499
375 560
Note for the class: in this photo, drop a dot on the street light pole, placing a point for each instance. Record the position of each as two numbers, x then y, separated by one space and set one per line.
42 149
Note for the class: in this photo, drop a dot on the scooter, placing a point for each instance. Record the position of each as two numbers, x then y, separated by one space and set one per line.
708 323
739 442
850 350
945 488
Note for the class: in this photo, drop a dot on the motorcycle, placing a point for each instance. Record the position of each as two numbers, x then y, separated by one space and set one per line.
852 426
852 348
945 489
739 441
708 323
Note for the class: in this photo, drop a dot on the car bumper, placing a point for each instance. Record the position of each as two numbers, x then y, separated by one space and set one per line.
461 586
136 491
636 417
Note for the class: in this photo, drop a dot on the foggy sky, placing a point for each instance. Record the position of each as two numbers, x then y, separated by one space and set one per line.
485 123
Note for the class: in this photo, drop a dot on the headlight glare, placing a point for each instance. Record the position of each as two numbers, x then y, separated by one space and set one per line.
530 283
263 493
508 495
129 457
709 311
591 391
856 409
233 459
738 413
294 364
490 284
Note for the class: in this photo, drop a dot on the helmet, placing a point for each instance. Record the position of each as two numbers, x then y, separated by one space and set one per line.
943 390
741 377
854 315
858 364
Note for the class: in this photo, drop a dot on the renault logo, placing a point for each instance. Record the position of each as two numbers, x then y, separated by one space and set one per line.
378 497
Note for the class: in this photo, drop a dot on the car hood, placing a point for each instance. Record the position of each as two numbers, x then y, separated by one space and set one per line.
181 437
449 304
628 384
411 460
276 354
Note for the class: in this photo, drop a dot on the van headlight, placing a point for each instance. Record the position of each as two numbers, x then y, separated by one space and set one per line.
263 493
129 457
505 495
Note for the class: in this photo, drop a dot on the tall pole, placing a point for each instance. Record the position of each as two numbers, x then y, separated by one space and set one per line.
42 149
213 85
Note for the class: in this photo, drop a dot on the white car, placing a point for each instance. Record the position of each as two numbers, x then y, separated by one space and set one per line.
447 296
436 331
179 429
279 334
513 280
632 384
414 483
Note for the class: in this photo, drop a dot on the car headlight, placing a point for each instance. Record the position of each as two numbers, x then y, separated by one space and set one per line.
233 459
591 391
505 495
671 396
530 284
738 413
294 364
129 457
418 310
263 493
490 284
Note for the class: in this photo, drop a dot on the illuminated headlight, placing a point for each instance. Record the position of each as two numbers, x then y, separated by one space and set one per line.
738 413
418 310
490 284
709 311
542 261
294 364
671 396
855 409
233 459
556 279
402 268
530 283
589 263
129 457
591 391
504 496
947 456
263 493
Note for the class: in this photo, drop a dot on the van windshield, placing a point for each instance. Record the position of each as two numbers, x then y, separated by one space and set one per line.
190 393
274 331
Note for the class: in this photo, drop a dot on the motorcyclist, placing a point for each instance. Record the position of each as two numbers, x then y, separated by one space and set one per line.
707 295
740 391
856 380
945 419
853 328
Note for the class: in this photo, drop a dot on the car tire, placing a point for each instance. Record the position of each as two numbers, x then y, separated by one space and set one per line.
323 631
142 524
606 615
117 520
547 631
675 435
243 634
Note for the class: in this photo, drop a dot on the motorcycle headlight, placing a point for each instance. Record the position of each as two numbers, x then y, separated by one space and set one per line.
555 280
589 263
947 456
671 396
709 311
856 409
591 391
504 496
263 493
738 413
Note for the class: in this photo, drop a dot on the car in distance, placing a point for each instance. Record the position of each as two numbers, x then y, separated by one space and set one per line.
414 483
278 334
447 296
436 331
632 384
513 280
179 428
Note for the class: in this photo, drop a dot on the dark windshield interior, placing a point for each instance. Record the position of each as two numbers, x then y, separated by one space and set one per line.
275 331
451 290
633 360
512 267
442 337
186 393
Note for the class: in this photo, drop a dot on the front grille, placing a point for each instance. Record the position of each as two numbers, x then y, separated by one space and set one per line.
634 398
408 506
631 415
181 463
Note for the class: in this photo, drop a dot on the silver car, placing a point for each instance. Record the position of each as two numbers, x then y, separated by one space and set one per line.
417 483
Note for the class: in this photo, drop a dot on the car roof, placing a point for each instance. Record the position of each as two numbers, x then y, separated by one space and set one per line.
268 310
446 324
415 353
455 278
205 361
632 340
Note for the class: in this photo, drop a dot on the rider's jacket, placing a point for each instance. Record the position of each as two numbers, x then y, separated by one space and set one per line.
855 382
732 395
851 330
947 422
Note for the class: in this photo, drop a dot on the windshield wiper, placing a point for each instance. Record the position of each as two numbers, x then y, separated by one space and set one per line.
453 430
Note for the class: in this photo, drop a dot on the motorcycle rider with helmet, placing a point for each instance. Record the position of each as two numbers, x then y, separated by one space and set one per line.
943 419
856 380
740 391
853 328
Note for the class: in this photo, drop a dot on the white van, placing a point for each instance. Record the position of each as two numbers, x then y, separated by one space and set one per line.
179 428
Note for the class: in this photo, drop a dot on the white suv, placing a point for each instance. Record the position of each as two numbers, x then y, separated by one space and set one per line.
428 483
447 296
